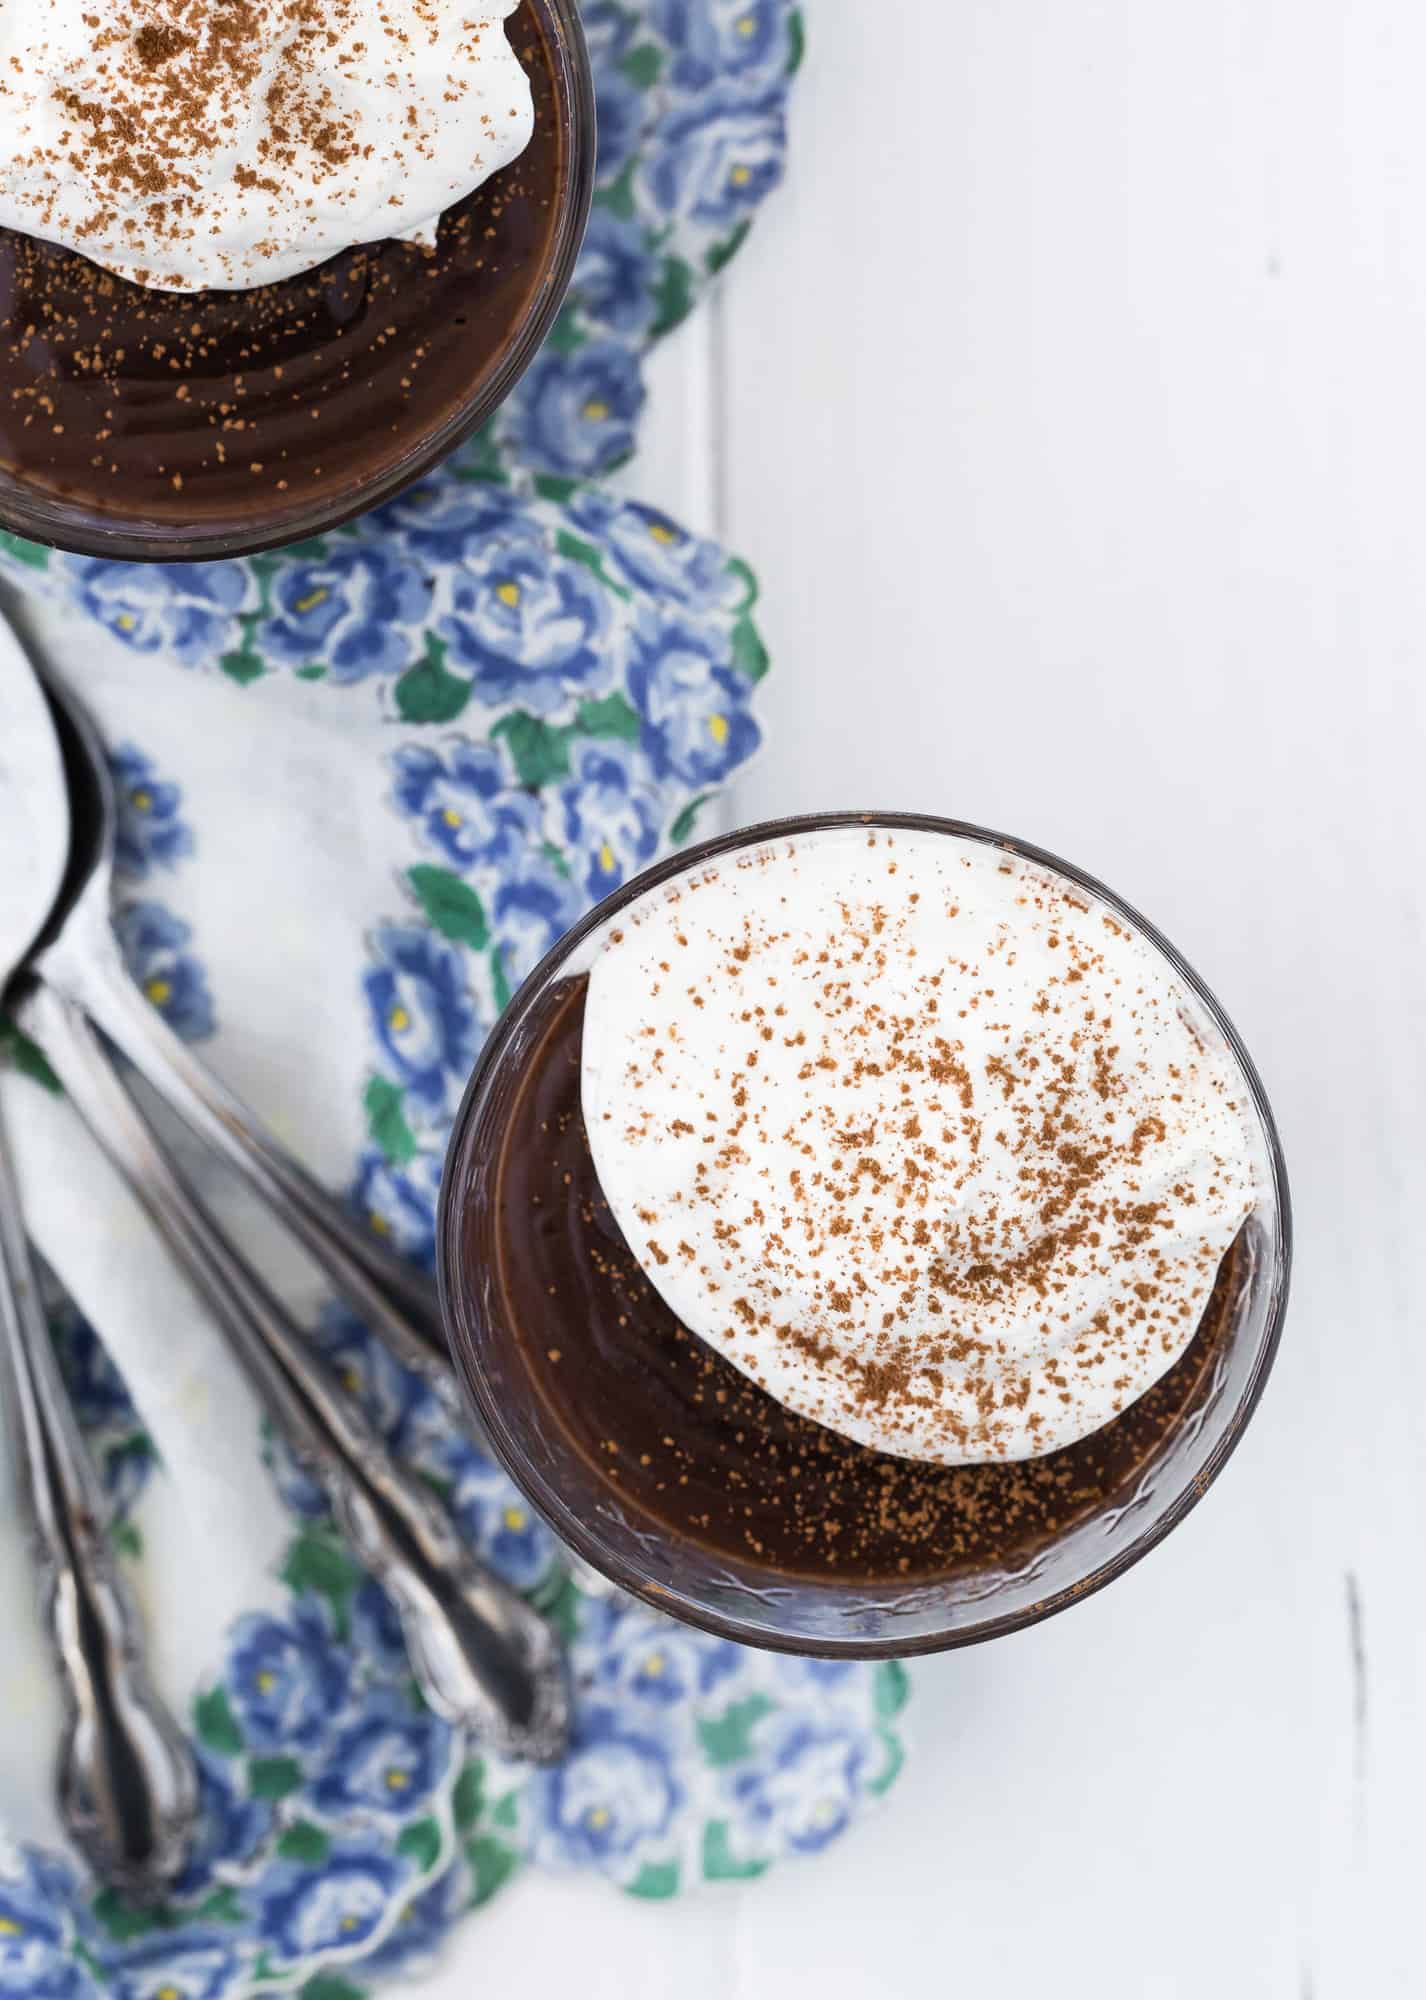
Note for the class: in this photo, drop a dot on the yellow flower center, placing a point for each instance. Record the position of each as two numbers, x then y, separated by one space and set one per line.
746 24
9 1928
452 817
606 858
351 1923
141 801
740 176
718 729
514 1519
159 991
266 1681
662 533
654 1665
508 593
399 1020
126 621
597 1817
351 1381
397 1781
168 1993
596 411
379 1223
311 601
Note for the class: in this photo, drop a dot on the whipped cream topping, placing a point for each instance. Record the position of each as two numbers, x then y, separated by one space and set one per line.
924 1139
189 144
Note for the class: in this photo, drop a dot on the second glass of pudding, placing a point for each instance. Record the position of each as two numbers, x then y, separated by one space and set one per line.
155 424
864 1235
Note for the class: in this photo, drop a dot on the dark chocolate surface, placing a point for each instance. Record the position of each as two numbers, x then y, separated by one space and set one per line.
211 406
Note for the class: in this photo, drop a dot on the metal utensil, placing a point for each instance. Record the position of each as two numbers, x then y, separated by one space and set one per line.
480 1653
126 1785
80 957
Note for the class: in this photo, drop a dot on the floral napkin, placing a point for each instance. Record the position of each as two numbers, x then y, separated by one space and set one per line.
404 758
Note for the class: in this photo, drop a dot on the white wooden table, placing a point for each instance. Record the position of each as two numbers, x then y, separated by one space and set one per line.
1070 403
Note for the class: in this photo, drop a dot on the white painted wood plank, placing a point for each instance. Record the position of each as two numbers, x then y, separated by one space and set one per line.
1076 437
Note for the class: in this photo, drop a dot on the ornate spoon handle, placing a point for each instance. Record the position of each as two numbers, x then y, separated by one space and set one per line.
481 1654
127 1789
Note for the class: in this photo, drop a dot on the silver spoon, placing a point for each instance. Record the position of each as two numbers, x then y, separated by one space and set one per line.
125 1781
80 958
479 1652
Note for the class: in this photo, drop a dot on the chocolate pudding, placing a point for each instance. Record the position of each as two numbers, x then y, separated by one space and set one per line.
688 1439
239 412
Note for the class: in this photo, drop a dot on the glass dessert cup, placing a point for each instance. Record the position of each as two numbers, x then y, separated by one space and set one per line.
743 1599
475 375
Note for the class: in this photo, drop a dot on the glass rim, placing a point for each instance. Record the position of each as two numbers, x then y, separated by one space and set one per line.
568 1526
28 509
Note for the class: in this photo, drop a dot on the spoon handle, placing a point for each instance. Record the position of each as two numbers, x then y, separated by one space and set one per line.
396 1301
126 1785
480 1654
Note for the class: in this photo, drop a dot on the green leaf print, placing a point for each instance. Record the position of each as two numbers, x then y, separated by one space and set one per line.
427 693
274 1777
215 1723
656 1881
618 197
674 297
21 1053
729 1739
386 1121
750 655
644 65
540 752
451 906
611 717
468 1798
492 1864
319 1562
304 1842
331 1986
723 253
421 1844
123 1920
720 1864
797 41
892 1687
29 553
222 1907
575 549
682 829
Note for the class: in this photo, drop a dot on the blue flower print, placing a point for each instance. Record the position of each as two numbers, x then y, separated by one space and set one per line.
530 626
718 159
127 1464
96 1388
358 611
369 1372
377 1637
622 106
743 39
297 1489
492 1515
231 1827
153 942
421 1928
616 1791
36 1954
399 1202
610 818
694 705
617 273
649 1661
198 1965
655 553
286 1680
389 1761
188 610
462 799
149 832
531 912
338 1902
578 412
806 1784
421 1011
445 520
